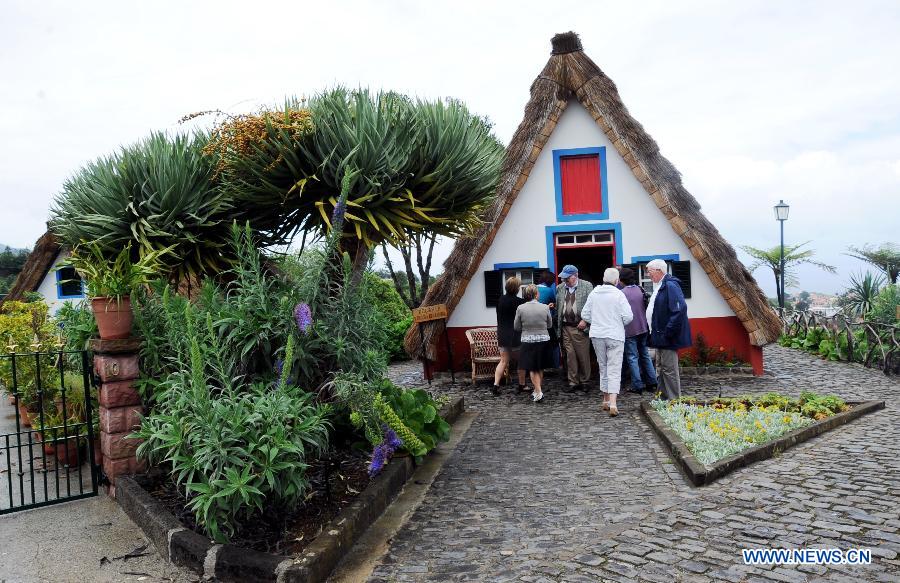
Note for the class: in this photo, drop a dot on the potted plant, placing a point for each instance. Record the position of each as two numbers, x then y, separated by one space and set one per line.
110 283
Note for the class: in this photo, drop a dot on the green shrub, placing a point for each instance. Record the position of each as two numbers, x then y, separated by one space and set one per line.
884 307
157 194
78 326
396 335
235 448
419 412
26 328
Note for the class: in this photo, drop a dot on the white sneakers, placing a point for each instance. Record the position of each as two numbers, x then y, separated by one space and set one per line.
536 397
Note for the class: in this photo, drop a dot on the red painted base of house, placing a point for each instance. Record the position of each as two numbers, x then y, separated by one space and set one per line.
726 332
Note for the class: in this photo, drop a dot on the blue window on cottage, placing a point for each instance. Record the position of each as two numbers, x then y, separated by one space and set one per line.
69 285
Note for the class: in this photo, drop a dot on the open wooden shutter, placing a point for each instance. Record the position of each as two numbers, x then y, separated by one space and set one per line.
493 288
682 270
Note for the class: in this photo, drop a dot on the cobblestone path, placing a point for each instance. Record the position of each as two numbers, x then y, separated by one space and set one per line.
560 492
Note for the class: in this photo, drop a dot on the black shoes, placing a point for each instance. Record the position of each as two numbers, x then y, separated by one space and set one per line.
495 390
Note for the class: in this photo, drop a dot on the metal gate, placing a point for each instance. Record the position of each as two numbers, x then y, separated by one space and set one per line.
47 432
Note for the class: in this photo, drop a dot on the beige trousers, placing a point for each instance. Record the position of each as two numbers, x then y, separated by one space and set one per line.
577 347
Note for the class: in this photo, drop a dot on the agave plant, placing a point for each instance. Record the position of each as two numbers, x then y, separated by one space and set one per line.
156 194
862 292
402 166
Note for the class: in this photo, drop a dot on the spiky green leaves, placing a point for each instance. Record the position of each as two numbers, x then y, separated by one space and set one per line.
156 194
410 166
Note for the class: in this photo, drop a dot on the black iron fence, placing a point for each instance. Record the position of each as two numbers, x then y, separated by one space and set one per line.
843 338
49 441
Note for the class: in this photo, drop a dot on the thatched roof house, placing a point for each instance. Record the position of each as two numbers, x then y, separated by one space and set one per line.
37 275
727 305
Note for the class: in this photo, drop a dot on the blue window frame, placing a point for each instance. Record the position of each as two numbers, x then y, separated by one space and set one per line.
66 286
604 189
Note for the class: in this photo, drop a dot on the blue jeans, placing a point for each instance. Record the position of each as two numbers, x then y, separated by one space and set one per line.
638 358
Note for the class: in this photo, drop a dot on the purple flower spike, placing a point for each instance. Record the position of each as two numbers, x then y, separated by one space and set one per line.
392 440
279 366
337 216
303 315
380 456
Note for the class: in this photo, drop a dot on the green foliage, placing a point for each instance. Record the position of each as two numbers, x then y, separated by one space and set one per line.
885 257
820 406
234 447
113 278
793 257
77 325
385 299
411 413
156 194
412 166
418 411
25 328
884 306
861 294
395 343
11 262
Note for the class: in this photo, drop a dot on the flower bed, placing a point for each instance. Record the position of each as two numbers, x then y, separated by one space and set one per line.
710 439
338 525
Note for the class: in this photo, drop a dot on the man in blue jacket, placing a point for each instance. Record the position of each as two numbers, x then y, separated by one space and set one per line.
669 326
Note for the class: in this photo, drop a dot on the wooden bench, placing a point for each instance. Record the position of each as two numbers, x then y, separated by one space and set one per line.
485 353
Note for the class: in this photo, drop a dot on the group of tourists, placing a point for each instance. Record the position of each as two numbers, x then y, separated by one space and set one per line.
618 318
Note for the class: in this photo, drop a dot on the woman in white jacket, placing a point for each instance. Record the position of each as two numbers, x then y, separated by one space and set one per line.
607 311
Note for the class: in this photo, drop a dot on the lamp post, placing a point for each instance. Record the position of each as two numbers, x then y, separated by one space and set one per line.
781 215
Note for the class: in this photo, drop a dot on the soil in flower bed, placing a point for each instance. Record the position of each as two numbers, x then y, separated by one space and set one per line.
334 484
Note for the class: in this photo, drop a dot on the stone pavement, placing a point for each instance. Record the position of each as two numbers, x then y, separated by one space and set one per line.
561 492
90 540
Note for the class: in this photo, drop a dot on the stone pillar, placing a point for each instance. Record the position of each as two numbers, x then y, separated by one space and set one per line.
116 364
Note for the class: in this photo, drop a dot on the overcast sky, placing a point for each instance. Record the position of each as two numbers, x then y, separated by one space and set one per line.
752 101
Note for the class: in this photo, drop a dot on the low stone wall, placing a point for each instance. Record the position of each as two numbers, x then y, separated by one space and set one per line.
694 371
186 548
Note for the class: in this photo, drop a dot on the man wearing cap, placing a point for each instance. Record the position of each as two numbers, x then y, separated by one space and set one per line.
571 296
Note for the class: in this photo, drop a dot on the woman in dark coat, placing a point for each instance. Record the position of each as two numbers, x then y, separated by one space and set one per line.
507 338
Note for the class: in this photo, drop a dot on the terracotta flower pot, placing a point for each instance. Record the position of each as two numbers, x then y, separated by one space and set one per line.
24 417
98 455
114 319
67 451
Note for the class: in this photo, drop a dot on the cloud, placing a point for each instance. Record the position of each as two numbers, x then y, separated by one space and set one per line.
753 102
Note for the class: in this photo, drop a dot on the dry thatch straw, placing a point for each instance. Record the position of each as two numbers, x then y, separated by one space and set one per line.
570 74
36 267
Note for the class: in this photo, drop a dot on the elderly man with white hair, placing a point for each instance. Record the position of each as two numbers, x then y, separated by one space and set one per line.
607 311
669 326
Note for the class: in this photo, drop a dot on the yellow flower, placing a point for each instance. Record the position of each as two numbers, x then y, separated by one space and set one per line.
787 419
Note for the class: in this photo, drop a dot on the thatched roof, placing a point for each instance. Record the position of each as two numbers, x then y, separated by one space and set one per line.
36 267
570 74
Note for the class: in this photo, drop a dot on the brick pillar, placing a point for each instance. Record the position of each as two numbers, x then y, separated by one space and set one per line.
116 364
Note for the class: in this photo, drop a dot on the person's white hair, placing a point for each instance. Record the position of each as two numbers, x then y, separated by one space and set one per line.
611 275
658 264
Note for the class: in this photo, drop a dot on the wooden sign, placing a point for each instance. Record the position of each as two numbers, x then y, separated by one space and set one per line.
429 313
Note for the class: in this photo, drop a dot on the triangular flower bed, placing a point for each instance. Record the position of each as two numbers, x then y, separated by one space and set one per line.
699 454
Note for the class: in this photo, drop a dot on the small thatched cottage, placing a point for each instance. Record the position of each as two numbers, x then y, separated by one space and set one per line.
583 183
55 286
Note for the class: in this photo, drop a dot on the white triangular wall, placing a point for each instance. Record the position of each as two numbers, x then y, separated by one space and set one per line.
644 229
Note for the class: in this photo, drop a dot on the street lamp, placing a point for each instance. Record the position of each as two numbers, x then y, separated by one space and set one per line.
781 215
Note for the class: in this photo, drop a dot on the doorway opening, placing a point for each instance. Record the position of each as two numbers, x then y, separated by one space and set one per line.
591 253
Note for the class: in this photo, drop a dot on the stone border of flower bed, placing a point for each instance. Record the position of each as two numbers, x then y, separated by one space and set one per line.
700 474
692 371
186 548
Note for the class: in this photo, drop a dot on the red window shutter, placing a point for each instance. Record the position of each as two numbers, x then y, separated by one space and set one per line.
580 184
